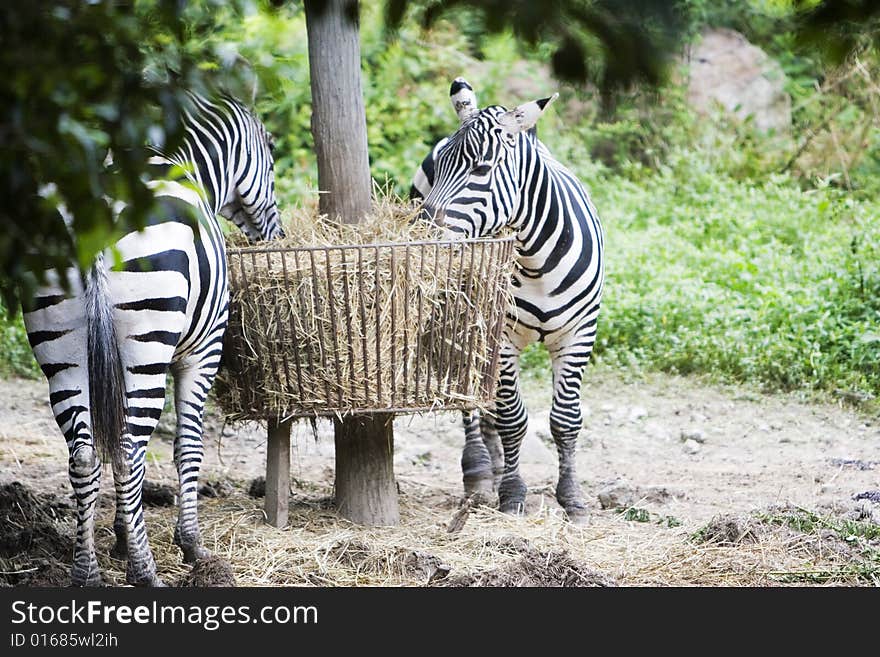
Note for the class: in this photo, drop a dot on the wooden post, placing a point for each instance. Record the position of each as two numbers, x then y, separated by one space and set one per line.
278 473
365 488
366 492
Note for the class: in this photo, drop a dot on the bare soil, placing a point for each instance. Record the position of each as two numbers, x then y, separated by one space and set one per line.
688 484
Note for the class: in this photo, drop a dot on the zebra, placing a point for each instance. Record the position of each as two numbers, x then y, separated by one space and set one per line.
495 173
106 340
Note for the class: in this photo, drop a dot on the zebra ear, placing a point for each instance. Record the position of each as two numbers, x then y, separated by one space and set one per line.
463 98
524 117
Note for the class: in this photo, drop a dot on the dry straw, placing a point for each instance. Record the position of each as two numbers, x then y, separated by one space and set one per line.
382 316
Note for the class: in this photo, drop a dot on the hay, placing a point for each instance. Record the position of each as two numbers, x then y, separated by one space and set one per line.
394 320
491 549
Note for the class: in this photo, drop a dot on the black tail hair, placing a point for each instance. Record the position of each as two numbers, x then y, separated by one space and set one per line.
107 400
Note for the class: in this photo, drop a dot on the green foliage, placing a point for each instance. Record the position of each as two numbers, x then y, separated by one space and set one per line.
534 362
717 263
81 78
808 522
16 357
609 43
746 282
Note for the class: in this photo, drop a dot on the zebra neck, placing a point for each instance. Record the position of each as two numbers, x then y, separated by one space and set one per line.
548 206
187 190
536 183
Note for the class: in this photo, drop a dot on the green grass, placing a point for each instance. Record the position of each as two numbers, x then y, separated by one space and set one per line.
808 522
743 281
860 535
746 281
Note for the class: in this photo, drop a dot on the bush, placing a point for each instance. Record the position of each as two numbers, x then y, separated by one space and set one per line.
760 283
16 357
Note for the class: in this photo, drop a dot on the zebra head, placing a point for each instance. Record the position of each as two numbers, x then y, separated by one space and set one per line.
251 203
477 172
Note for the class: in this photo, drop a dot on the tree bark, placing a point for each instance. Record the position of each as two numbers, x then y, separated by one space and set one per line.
366 492
339 122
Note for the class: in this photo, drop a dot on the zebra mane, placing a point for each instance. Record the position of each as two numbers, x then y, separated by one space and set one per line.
478 117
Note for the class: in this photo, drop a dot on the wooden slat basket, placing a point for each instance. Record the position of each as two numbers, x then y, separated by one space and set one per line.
338 330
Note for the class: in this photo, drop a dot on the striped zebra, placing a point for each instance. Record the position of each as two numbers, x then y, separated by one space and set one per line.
106 344
495 173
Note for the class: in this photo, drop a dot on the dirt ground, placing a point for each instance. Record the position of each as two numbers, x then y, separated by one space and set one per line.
688 484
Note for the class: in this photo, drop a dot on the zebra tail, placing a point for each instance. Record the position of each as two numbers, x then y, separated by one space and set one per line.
107 401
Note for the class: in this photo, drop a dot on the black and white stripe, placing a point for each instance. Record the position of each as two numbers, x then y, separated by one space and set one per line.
495 173
106 345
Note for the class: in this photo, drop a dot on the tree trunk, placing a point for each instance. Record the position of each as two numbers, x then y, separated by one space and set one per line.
366 492
365 489
339 123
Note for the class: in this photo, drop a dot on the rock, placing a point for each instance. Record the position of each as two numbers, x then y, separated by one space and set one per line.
619 494
660 494
726 69
870 495
637 413
866 510
691 446
697 436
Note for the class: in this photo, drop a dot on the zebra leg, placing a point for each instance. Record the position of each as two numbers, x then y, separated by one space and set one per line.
129 480
493 446
120 529
476 462
192 381
512 421
566 422
146 398
57 332
85 477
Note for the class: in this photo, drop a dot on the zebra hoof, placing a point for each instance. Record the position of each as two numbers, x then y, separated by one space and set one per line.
513 508
194 553
119 550
577 515
479 489
92 580
153 582
143 576
483 498
512 495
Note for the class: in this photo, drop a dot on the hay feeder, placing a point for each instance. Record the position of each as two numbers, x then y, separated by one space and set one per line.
361 331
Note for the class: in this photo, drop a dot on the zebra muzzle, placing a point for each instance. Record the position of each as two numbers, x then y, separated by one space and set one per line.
432 214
